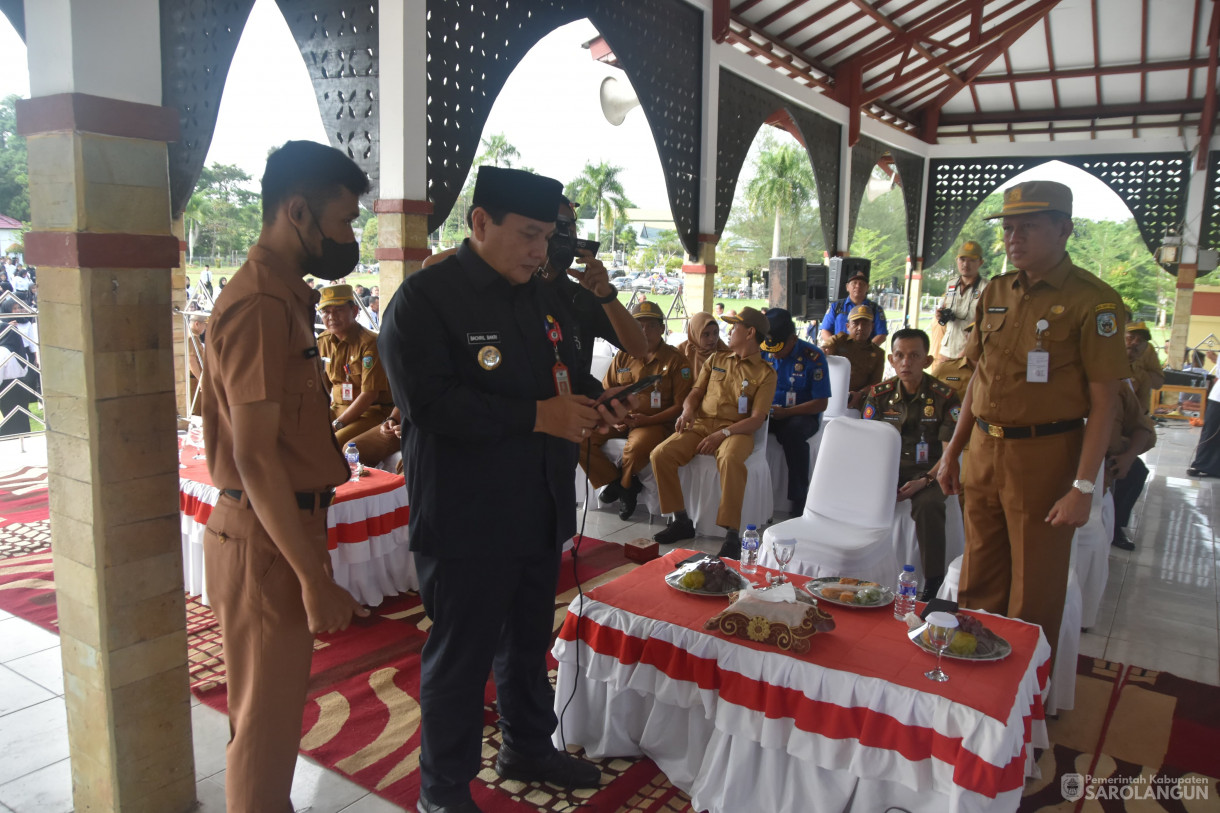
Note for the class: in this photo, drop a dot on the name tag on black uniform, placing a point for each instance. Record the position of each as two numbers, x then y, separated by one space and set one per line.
482 338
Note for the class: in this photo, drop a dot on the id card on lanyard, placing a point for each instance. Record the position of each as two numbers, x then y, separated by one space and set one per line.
559 373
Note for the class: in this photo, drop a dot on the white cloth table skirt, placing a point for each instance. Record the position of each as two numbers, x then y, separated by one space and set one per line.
371 558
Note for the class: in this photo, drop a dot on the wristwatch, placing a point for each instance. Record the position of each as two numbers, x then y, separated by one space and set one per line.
725 432
336 424
1083 486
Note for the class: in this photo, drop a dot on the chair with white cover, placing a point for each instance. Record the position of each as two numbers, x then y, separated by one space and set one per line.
700 481
840 382
603 355
906 544
1092 547
845 529
648 497
1061 695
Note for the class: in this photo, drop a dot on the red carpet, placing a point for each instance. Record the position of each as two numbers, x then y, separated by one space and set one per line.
24 512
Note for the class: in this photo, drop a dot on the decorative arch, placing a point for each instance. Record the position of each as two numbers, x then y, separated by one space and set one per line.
1152 185
1209 229
864 156
473 47
743 109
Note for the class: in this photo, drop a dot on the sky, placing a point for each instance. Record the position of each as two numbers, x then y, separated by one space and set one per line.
548 109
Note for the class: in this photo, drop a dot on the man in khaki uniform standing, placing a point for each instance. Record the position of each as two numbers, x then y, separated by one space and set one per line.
866 358
647 425
1048 353
729 402
359 389
271 454
957 306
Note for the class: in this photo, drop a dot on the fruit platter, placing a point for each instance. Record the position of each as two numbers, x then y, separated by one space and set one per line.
706 577
849 592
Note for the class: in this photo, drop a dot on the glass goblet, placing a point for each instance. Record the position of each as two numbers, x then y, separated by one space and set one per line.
942 627
782 550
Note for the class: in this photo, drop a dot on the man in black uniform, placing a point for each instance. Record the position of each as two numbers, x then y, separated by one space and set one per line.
482 362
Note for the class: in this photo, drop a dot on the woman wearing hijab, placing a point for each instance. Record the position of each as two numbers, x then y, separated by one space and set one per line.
702 339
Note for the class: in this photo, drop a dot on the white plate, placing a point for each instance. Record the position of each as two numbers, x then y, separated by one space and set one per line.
1002 651
672 580
814 588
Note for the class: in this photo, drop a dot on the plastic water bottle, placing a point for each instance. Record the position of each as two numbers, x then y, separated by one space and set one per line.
905 592
749 550
353 459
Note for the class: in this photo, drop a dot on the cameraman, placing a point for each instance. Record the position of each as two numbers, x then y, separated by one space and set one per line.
956 311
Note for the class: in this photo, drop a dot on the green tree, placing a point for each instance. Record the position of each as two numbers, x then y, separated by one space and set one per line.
599 186
628 239
782 184
198 210
368 240
14 168
234 217
881 235
497 150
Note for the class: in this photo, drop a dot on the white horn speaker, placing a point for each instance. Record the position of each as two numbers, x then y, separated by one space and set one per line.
617 100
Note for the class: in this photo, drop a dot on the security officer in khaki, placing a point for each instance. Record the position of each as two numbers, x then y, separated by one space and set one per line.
1048 353
1147 374
360 392
275 461
649 424
924 411
957 306
866 358
729 402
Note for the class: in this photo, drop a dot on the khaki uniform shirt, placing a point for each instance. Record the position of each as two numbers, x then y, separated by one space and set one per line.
251 357
956 373
928 415
1128 418
355 361
1147 375
1084 338
724 378
963 302
673 367
867 360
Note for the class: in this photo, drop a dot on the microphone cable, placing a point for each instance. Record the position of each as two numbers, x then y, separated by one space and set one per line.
580 593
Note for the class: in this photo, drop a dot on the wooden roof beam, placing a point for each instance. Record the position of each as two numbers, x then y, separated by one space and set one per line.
1089 73
1104 111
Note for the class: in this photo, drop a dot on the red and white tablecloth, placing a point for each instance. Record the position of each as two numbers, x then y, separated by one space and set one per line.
366 530
852 725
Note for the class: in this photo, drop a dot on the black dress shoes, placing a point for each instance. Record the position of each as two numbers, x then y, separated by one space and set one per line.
467 806
629 498
678 530
1121 541
556 768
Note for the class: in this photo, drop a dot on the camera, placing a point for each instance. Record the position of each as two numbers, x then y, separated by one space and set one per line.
945 315
564 245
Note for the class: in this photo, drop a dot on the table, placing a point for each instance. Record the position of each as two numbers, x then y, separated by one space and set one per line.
741 726
366 532
1173 389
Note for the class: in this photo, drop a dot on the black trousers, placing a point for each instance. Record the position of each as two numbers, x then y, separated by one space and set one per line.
793 435
1207 453
488 613
1127 491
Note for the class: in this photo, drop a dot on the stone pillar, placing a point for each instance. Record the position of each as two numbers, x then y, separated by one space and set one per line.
699 279
914 290
1182 302
182 396
99 200
402 241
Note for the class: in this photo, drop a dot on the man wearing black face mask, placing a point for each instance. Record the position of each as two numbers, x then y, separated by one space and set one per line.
271 453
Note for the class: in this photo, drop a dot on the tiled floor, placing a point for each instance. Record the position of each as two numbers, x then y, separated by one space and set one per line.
1160 609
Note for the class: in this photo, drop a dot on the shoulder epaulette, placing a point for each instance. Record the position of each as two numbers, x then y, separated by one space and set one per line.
885 386
939 386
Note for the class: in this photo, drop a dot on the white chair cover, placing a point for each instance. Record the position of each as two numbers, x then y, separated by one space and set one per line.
649 497
1061 695
840 381
906 544
1092 547
701 488
845 529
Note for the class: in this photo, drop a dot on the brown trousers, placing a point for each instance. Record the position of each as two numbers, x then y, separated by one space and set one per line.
372 417
679 449
636 453
374 446
1016 563
267 649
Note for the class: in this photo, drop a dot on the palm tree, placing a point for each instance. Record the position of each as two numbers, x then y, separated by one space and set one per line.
197 210
497 149
783 184
599 186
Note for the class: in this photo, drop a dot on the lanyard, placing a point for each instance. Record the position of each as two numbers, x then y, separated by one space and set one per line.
559 373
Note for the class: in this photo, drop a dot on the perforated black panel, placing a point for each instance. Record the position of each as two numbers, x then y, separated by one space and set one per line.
955 189
473 47
198 38
864 156
743 107
338 40
1209 229
910 170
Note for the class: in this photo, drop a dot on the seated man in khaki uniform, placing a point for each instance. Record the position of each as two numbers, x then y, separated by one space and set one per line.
651 422
924 411
729 402
360 392
1147 374
856 345
1133 434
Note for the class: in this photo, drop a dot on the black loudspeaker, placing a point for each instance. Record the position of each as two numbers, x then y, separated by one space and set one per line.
817 300
788 285
840 269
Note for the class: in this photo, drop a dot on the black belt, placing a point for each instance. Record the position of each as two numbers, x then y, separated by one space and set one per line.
306 500
1017 432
